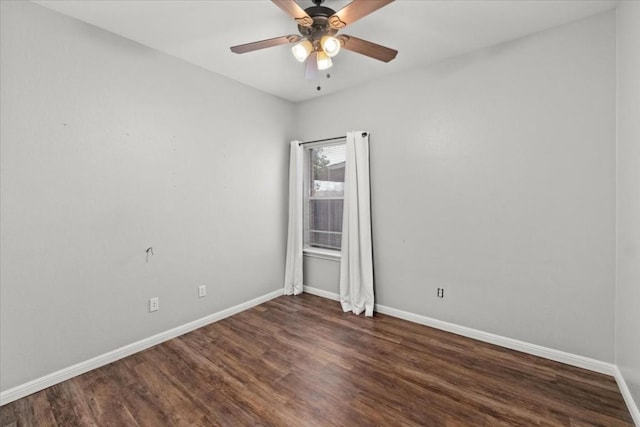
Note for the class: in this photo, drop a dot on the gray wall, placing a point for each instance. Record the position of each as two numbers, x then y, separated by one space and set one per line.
107 148
493 176
628 249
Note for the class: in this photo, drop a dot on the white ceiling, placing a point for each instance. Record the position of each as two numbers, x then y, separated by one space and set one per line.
423 31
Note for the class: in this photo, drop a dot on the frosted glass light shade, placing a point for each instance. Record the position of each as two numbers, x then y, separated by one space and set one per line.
302 50
324 62
330 45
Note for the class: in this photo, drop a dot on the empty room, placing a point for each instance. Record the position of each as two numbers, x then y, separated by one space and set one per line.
319 213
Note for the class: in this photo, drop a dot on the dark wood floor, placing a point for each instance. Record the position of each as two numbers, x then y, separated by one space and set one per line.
300 361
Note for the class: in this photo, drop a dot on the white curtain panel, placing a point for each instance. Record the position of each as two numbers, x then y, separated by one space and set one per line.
293 265
356 265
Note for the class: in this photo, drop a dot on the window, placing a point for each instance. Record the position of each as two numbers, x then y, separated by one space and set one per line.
324 196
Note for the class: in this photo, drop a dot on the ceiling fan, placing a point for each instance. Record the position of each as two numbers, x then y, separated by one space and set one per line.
318 41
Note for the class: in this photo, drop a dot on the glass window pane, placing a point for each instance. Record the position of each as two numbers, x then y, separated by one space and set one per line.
327 171
325 241
325 215
325 196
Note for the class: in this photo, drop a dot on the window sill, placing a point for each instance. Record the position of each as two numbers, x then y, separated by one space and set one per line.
322 253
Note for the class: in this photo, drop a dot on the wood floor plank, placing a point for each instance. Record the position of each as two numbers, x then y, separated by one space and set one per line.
301 361
103 399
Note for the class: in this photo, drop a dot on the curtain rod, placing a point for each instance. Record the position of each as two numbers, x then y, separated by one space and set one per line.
328 139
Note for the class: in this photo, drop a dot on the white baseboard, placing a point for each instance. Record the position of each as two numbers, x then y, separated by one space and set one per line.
628 399
321 293
80 368
525 347
104 359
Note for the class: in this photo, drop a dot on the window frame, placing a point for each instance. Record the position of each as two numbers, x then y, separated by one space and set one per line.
316 252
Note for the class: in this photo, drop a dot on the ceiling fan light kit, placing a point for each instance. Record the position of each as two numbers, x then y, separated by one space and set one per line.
330 45
302 50
323 61
318 26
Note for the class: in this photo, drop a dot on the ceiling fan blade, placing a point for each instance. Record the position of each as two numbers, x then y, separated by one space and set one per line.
292 9
262 44
355 10
367 48
311 66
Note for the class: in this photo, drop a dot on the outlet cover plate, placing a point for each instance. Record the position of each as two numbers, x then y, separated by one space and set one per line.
154 304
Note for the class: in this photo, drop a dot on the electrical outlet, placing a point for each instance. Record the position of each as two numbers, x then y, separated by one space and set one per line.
202 291
154 304
440 293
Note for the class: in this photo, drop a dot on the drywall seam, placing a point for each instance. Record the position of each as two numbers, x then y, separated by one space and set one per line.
617 198
41 383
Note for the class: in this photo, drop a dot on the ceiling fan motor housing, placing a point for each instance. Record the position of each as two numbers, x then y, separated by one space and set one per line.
320 26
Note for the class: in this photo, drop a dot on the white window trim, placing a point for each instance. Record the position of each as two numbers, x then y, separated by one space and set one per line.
331 255
309 251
